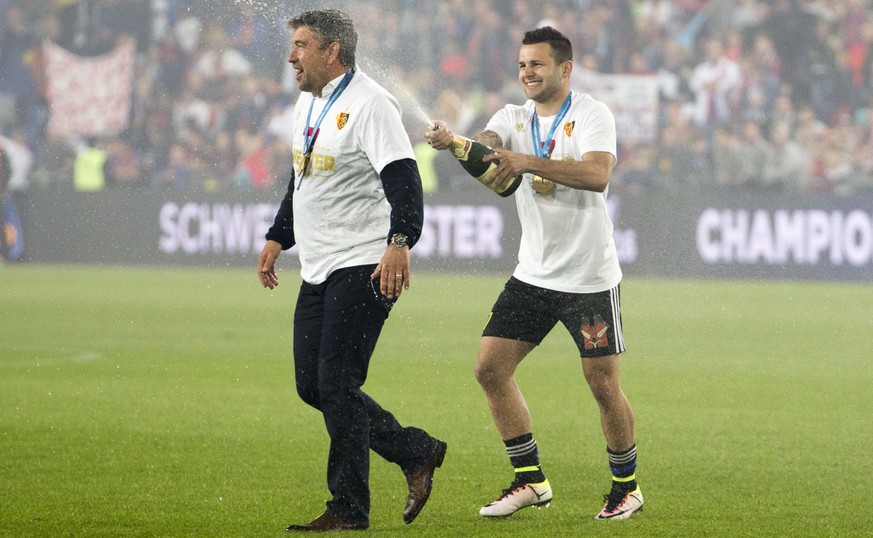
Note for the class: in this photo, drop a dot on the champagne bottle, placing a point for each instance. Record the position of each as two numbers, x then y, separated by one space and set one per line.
469 153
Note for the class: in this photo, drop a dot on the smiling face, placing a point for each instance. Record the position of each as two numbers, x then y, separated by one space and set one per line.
312 64
541 77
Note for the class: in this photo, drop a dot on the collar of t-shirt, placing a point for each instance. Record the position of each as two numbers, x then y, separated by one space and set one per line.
330 87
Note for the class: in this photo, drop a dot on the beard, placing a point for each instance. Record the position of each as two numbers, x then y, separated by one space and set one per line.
544 93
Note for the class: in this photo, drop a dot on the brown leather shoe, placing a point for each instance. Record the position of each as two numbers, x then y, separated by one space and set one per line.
326 522
420 482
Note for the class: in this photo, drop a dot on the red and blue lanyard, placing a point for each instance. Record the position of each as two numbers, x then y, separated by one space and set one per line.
544 148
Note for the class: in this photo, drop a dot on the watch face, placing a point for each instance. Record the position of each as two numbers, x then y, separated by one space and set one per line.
398 240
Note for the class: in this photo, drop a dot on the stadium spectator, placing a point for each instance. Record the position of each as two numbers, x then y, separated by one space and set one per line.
188 30
637 172
7 235
791 54
755 149
790 27
253 170
219 60
90 172
716 82
787 166
280 160
727 158
176 174
124 164
674 159
250 34
17 83
55 157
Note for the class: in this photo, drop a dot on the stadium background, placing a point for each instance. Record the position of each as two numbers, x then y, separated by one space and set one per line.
189 104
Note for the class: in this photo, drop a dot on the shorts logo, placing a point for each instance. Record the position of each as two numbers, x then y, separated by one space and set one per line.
568 128
341 119
595 334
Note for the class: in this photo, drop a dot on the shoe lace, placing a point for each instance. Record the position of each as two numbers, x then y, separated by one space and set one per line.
614 498
515 486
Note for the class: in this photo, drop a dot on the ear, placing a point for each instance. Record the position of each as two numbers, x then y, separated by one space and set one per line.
567 68
333 51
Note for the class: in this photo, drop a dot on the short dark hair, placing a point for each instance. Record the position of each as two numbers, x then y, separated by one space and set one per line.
562 50
330 25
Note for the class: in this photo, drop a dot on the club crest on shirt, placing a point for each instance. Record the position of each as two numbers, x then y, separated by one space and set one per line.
519 127
341 119
595 333
568 128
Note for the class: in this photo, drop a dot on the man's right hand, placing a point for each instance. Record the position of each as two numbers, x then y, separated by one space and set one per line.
267 264
440 137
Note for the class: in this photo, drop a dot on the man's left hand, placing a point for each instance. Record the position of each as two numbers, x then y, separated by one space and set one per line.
393 271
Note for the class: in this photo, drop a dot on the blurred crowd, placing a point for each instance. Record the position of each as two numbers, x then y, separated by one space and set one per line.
772 95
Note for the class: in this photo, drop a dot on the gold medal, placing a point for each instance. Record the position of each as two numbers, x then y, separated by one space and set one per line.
542 186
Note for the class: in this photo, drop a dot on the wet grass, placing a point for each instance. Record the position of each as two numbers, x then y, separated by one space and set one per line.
160 402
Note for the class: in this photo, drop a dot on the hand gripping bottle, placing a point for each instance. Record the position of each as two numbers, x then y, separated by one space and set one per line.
469 153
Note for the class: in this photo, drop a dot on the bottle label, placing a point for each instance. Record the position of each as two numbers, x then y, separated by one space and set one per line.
462 152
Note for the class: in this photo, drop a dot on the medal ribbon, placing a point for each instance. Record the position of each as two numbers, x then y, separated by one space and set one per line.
544 148
310 133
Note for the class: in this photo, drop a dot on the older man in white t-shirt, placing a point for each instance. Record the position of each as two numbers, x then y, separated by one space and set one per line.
354 208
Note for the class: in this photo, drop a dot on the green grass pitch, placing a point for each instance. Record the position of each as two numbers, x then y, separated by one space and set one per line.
161 402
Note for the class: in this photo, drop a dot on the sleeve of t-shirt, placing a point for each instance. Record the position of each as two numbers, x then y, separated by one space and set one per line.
598 124
382 135
501 123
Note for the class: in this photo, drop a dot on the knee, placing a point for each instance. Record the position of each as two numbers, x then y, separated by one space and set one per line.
601 390
488 374
309 393
605 389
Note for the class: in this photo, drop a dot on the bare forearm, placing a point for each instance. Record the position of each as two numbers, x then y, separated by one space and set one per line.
583 175
591 173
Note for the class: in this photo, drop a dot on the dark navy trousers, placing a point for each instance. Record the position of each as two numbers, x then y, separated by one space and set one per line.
336 326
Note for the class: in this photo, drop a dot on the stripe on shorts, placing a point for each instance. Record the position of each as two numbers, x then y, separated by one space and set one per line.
615 299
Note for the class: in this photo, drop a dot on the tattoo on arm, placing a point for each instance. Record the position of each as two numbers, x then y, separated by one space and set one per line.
489 138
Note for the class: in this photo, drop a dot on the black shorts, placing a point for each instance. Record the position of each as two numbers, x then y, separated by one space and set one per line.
527 313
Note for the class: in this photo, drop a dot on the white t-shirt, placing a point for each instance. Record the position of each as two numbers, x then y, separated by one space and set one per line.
566 239
341 215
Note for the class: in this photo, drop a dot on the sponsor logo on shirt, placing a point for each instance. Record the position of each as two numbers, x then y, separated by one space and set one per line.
317 162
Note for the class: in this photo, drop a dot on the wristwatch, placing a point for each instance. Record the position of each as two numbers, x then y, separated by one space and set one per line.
398 240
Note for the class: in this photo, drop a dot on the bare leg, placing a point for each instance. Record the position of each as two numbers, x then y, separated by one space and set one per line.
616 416
498 359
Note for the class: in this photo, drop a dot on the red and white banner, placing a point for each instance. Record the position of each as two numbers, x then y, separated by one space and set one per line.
89 95
633 100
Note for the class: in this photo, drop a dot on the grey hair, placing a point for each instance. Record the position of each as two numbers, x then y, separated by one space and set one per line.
330 25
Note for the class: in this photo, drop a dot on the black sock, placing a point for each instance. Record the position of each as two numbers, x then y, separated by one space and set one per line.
623 466
525 459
